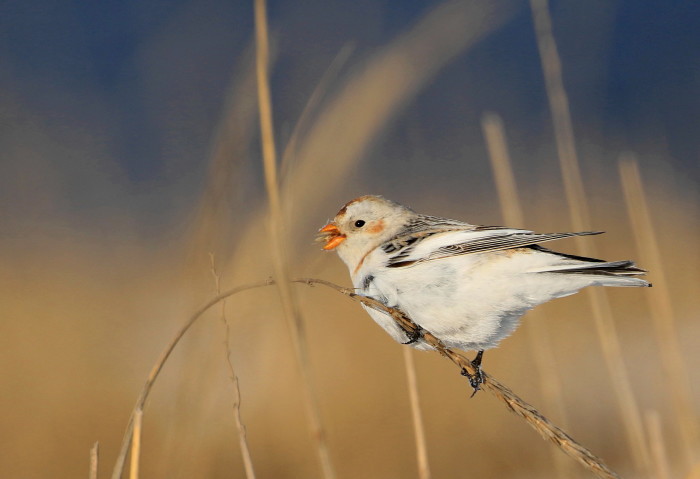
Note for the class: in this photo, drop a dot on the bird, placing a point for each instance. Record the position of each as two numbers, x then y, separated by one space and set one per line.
468 285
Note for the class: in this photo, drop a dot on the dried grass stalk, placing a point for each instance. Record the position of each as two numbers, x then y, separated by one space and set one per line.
279 262
136 445
240 427
416 415
94 459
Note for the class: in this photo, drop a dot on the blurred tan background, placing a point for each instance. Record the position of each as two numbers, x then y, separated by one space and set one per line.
130 156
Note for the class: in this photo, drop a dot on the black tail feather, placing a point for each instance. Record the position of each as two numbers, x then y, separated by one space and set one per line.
614 268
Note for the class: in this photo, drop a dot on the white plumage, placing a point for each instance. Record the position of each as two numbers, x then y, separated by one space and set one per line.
466 284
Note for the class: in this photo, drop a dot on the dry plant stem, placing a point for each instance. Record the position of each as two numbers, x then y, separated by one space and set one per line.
136 445
242 437
240 427
418 429
94 459
156 369
276 227
538 334
541 424
513 402
661 307
576 199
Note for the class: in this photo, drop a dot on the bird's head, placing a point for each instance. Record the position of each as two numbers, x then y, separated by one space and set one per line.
363 224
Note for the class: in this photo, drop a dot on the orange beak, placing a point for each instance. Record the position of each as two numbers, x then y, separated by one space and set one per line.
333 237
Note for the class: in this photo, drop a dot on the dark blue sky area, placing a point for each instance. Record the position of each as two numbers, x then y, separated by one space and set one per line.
147 79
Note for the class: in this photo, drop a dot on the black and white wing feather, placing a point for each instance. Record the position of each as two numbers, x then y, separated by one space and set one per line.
431 239
501 242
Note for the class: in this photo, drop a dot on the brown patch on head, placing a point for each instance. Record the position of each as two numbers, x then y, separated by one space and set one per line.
378 227
357 200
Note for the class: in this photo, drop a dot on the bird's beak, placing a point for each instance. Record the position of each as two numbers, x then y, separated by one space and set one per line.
331 235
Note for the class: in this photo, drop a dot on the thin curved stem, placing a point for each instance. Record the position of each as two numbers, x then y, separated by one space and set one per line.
514 403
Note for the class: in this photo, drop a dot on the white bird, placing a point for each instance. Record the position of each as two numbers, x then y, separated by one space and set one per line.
468 285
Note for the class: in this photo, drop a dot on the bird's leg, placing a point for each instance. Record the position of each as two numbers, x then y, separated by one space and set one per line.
477 379
477 363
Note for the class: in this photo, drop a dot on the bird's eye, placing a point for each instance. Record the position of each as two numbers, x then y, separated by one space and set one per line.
359 223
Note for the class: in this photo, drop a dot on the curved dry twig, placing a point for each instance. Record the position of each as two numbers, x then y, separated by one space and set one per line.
521 408
155 371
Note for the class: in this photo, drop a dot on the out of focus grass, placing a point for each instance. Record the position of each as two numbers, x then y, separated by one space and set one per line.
88 301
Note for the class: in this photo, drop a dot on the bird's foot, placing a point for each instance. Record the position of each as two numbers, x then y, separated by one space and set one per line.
477 379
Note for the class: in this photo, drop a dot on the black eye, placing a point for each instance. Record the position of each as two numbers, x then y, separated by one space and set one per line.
359 223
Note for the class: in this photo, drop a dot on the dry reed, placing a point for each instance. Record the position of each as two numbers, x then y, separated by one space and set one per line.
580 218
94 460
240 427
661 308
277 228
538 334
134 466
416 415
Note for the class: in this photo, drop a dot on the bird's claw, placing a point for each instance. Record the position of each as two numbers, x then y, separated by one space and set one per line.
476 379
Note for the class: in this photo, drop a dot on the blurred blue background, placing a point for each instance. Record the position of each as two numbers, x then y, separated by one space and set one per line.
133 90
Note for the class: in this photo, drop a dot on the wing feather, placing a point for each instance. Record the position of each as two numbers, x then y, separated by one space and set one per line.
496 243
444 243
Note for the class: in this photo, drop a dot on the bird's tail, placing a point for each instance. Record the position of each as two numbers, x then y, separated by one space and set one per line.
614 273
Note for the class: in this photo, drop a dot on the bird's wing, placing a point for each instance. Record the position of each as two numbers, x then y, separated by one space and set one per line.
464 239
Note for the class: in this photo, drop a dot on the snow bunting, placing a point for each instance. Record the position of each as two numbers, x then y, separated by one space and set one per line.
468 285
